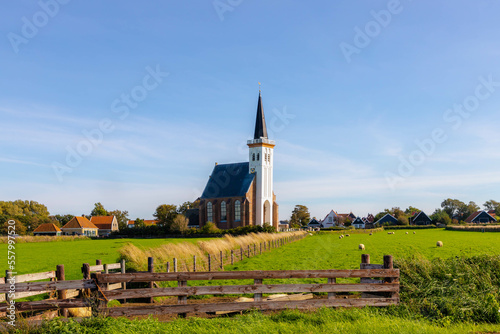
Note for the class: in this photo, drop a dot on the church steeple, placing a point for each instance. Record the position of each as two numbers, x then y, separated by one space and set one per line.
260 122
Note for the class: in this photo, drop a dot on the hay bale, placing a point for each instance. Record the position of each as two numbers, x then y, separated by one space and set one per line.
439 244
414 232
80 312
371 234
361 246
347 235
406 232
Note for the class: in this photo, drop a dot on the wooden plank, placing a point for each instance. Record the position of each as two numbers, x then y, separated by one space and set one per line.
114 266
29 294
236 307
2 280
98 267
249 289
35 276
50 285
259 274
371 266
114 286
72 293
47 304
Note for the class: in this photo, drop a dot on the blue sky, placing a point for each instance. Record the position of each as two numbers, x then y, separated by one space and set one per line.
372 104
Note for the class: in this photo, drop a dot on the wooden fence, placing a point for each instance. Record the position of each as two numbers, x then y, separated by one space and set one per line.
383 286
63 293
379 286
213 262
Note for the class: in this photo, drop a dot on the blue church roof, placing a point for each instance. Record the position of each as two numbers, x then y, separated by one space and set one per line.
229 180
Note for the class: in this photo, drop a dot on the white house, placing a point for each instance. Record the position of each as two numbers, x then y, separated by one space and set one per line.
330 220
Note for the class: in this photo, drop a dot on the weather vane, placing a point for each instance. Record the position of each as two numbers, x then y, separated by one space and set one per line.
259 87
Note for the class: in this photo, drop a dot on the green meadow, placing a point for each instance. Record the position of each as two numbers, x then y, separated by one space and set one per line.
44 256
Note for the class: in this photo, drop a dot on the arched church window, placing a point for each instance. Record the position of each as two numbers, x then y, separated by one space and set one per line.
210 216
253 157
258 156
223 211
237 211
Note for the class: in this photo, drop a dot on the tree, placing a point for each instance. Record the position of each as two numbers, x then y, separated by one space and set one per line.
99 210
139 223
492 205
20 228
457 209
165 214
61 220
300 216
400 215
188 205
411 210
180 224
440 217
121 218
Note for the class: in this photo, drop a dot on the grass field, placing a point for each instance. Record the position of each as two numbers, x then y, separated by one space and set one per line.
367 320
45 256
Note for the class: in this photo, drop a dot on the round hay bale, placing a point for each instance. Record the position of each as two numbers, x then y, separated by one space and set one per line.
414 232
406 232
371 233
347 235
361 246
439 244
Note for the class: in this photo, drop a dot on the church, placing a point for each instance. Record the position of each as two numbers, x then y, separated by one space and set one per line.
241 194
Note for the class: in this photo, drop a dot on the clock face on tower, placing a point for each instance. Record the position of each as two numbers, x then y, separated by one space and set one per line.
252 170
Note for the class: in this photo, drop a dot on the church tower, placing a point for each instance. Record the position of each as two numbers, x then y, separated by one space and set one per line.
261 163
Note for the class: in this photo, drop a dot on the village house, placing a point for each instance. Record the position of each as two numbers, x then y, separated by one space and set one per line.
105 224
420 218
388 218
47 229
80 226
480 217
330 220
358 223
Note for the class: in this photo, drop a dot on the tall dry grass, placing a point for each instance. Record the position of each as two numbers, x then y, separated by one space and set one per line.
44 238
137 258
475 228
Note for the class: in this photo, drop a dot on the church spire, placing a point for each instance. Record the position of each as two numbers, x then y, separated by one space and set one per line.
260 122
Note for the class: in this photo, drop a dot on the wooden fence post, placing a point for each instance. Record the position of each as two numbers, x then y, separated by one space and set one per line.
175 265
182 300
98 262
365 258
248 251
389 264
254 249
260 247
209 263
151 269
86 275
122 270
168 267
241 253
232 257
8 277
106 271
257 297
221 262
194 263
